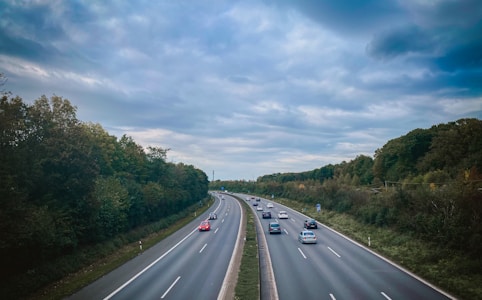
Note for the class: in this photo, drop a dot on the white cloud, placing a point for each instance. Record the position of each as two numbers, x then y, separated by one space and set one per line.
243 88
459 107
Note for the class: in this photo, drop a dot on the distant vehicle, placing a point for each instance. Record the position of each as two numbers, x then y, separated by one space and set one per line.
213 216
247 199
257 199
255 204
310 224
204 226
269 205
222 197
266 215
259 208
282 215
274 227
307 237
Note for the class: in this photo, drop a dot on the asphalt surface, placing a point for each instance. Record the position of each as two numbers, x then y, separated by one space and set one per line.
187 265
199 265
335 267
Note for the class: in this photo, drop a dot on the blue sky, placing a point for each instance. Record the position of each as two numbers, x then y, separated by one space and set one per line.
249 88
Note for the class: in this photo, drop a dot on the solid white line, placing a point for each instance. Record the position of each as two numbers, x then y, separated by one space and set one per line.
148 267
334 252
386 296
203 248
302 253
216 230
332 297
169 289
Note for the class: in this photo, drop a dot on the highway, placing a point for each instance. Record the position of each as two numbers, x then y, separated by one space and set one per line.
335 267
187 265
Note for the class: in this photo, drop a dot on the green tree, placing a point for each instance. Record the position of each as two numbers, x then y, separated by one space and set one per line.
112 205
456 147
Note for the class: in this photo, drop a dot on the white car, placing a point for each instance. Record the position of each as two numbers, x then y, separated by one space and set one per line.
283 215
269 205
259 207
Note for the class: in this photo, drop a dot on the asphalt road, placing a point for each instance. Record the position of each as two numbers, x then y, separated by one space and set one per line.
186 265
335 267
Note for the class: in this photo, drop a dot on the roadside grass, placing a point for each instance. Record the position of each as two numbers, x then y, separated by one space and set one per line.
449 270
120 250
248 285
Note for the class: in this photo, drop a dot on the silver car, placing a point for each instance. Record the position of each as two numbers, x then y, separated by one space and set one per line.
274 227
307 237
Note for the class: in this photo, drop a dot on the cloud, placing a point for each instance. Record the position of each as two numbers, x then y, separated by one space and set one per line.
348 17
400 42
249 88
444 36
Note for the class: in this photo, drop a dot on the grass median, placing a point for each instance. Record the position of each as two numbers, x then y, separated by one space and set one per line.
248 285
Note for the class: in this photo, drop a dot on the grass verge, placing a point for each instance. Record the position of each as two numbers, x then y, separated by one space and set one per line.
122 252
450 270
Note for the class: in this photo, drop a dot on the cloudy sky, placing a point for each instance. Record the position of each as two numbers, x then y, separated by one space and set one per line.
249 88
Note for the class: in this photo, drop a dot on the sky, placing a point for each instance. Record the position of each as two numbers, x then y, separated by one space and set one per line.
242 89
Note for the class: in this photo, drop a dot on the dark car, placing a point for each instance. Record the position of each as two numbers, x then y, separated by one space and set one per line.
266 215
255 204
310 224
274 227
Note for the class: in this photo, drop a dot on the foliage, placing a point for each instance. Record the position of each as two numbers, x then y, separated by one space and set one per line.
426 183
448 269
65 184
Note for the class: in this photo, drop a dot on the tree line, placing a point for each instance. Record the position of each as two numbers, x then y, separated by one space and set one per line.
65 184
427 183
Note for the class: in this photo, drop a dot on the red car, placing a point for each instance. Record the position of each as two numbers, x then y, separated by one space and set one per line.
205 226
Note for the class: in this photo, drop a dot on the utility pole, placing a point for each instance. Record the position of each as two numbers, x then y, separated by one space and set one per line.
213 175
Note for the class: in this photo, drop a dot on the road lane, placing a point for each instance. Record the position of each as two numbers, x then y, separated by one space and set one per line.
335 267
180 270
